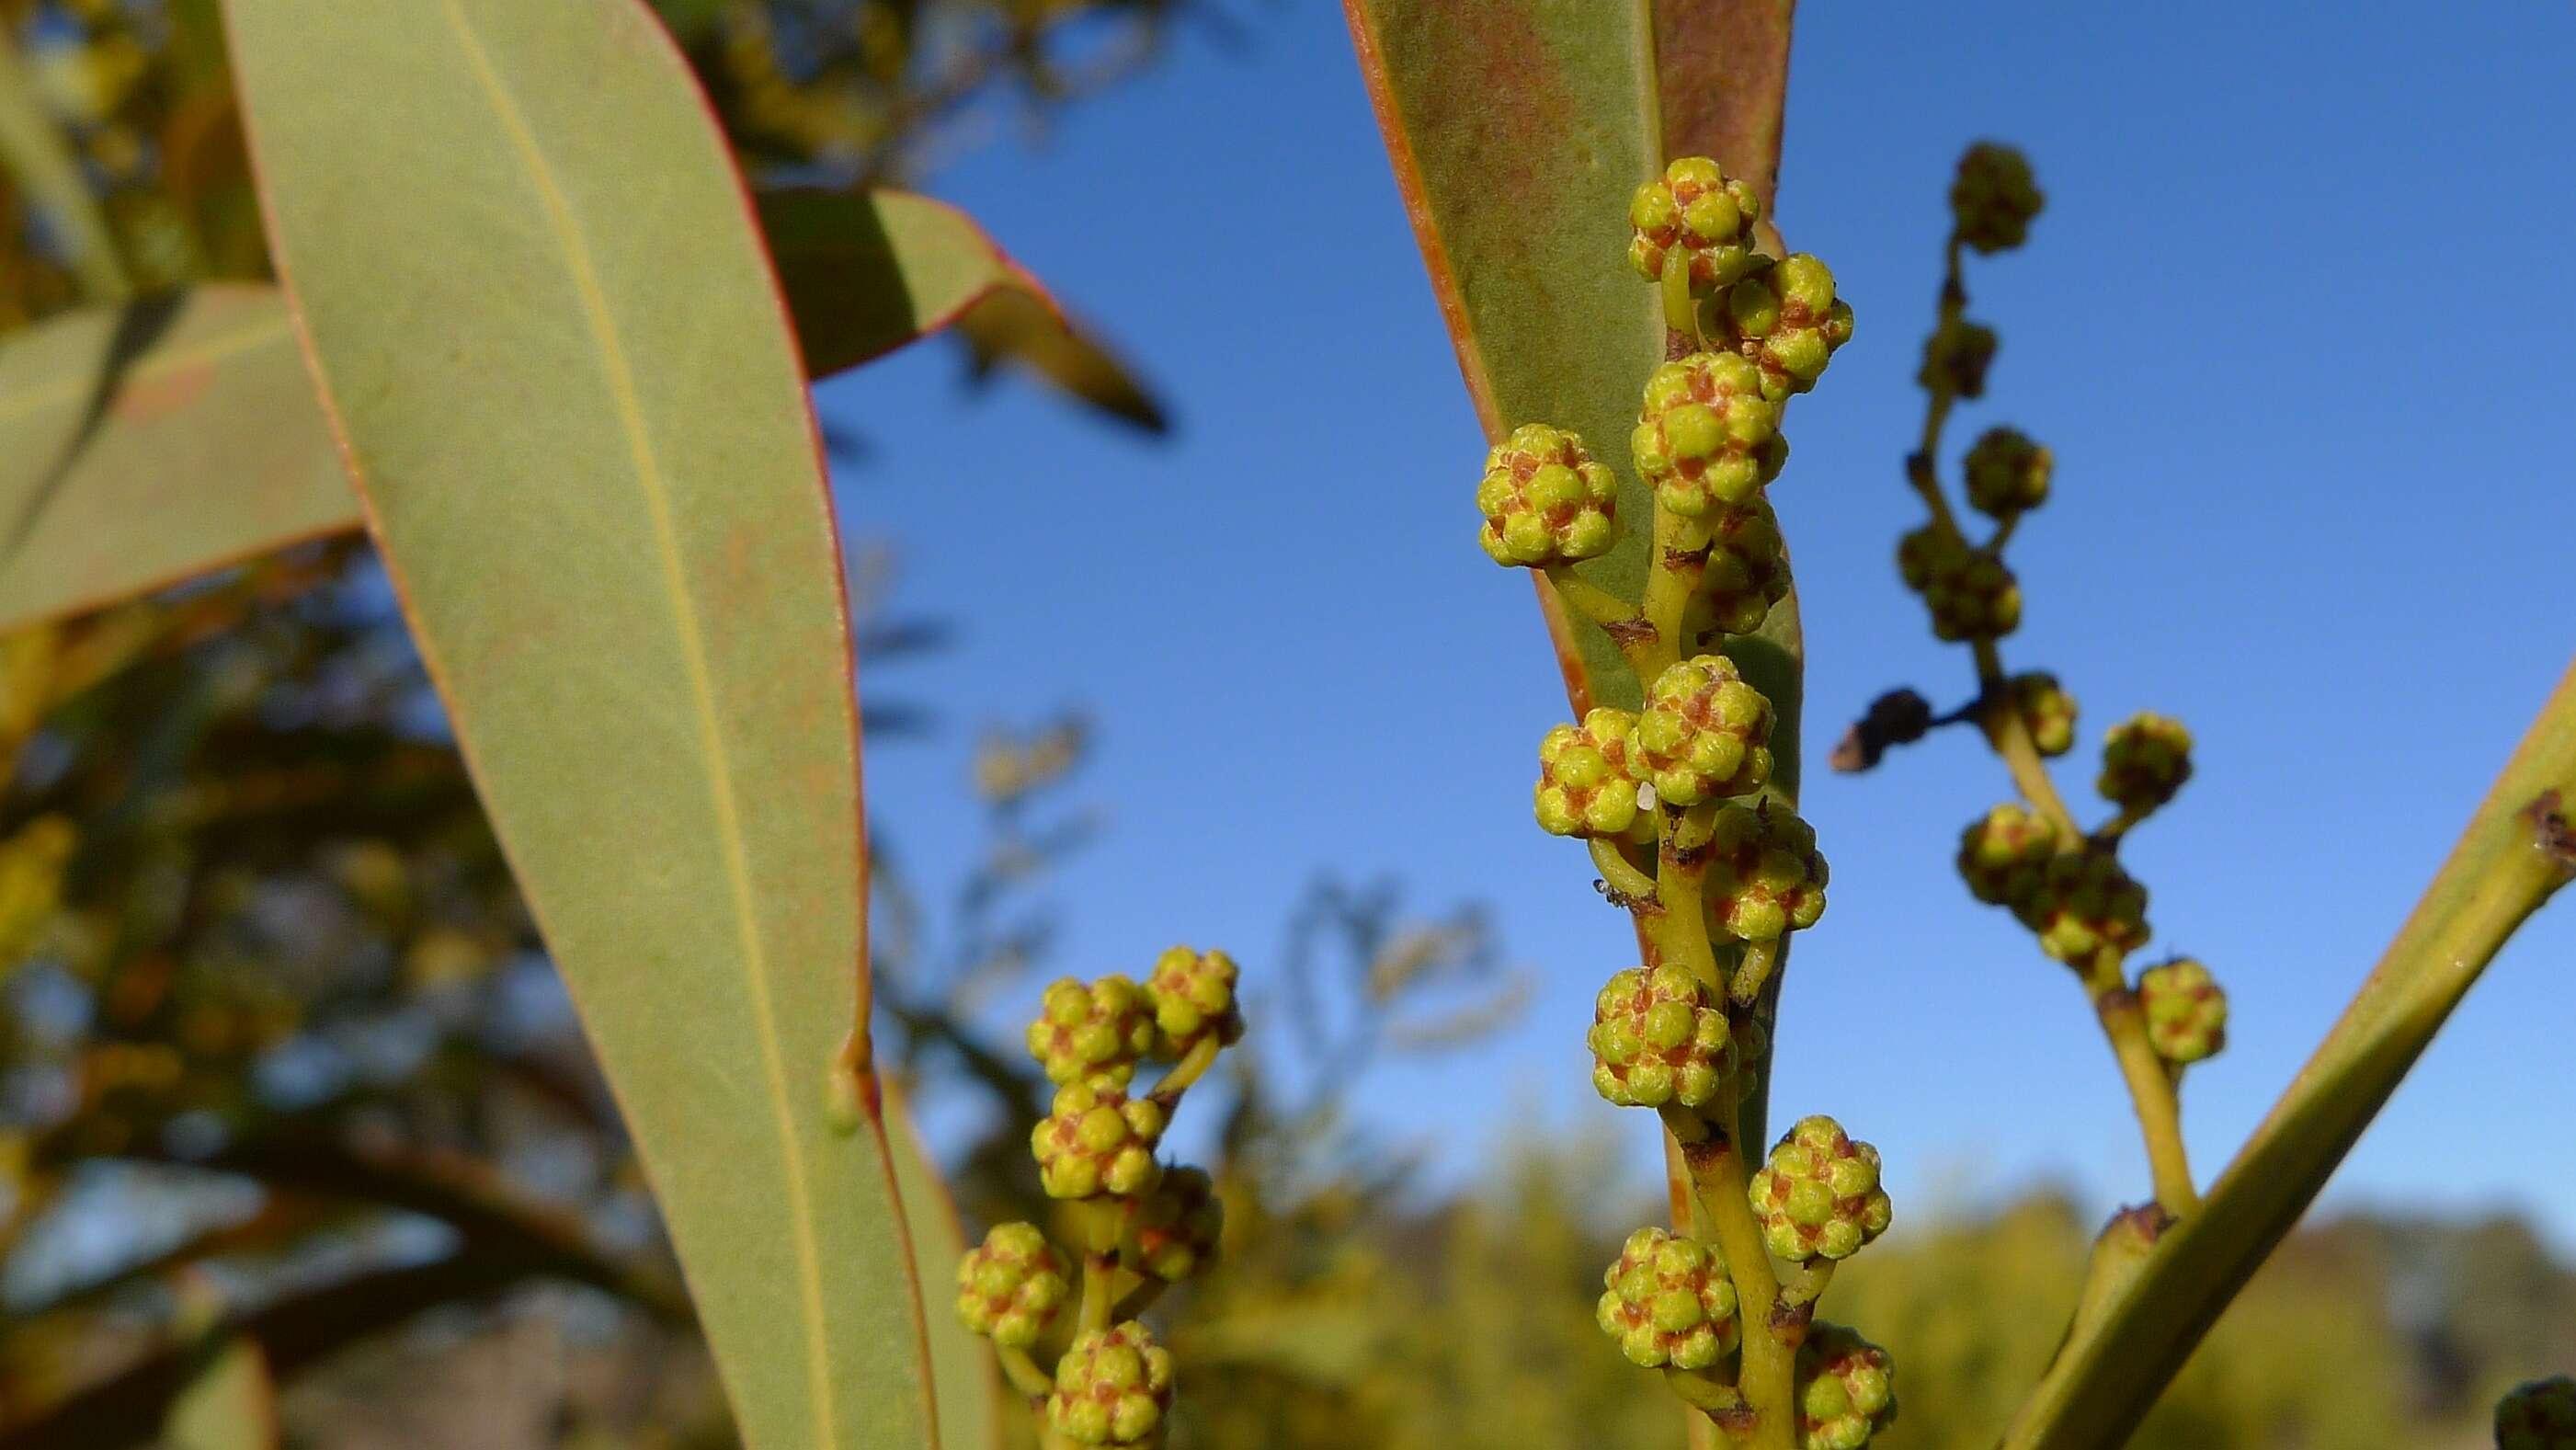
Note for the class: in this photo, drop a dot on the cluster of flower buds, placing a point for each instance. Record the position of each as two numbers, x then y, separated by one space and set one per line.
1818 1197
1668 1302
2538 1415
1846 1389
1149 1224
1545 500
2185 1009
2145 759
1659 1036
2046 711
2007 473
1969 591
1994 198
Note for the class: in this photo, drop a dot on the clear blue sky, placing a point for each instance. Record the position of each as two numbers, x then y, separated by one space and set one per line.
2296 321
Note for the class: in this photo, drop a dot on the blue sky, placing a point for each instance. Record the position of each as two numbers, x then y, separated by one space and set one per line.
2296 322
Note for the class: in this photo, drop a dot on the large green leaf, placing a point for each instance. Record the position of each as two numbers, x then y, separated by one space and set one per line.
2516 852
964 1378
1518 130
145 443
539 311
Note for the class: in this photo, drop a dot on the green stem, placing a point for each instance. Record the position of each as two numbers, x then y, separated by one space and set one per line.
1193 1065
1767 1379
2507 863
1023 1372
1754 970
2151 1084
1805 1283
1679 932
1671 574
1624 875
31 147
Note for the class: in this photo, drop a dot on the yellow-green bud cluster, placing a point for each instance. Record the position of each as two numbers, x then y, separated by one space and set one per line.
2539 1415
1585 784
2047 711
1178 1224
1658 1037
1764 874
1097 1140
1786 320
1545 499
2004 856
1112 1388
2007 473
1706 434
2185 1009
1994 197
1192 994
2083 904
1705 734
1956 357
1094 1030
2145 759
1846 1389
1969 591
1669 1302
1695 209
1744 570
1010 1287
1818 1196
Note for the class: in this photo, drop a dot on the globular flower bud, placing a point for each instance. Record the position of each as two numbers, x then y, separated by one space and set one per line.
2047 711
1787 321
1097 1140
2083 904
1177 1225
2539 1415
1668 1301
1746 571
2185 1009
1009 1288
1818 1197
1705 733
1956 357
2007 473
1706 436
1545 499
2005 855
1764 875
1994 197
1585 787
2145 759
1694 207
1192 995
1846 1389
1094 1030
1969 591
1659 1036
1111 1388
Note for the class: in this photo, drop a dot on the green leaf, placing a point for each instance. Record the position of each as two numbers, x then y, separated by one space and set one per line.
143 444
542 320
230 1403
2518 850
867 271
964 1379
1518 185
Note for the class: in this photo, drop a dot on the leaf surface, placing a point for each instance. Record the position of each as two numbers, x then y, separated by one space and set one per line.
146 443
964 1378
541 318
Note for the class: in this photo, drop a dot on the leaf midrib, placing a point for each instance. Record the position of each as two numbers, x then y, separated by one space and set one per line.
566 230
248 335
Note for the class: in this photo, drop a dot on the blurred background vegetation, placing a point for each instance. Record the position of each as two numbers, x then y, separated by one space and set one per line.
280 1053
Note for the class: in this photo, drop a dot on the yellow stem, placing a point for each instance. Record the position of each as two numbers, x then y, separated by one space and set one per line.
1767 1379
1753 971
1624 875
